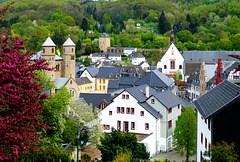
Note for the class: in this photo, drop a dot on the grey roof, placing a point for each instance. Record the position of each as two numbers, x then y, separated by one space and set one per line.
155 78
132 70
111 54
129 48
128 80
136 55
93 71
38 56
167 98
139 92
106 54
95 98
209 56
151 110
48 43
123 83
104 35
210 71
109 72
113 84
82 80
80 100
61 82
217 98
194 78
69 42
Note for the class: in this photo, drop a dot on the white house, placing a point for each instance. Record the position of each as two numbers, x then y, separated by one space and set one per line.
144 65
128 50
171 61
91 74
143 111
136 58
95 57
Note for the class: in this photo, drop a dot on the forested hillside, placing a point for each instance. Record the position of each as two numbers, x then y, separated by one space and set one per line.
197 24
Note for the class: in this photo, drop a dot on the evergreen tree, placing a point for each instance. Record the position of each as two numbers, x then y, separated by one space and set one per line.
84 24
163 24
185 133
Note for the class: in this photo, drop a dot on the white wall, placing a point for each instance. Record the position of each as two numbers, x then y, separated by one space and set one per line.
115 58
86 74
137 61
202 127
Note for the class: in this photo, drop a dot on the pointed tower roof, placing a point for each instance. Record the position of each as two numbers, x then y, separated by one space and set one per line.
104 35
171 36
48 43
69 42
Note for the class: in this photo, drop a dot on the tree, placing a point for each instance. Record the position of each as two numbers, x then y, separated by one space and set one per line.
185 133
21 98
116 141
68 20
178 76
163 24
84 24
86 61
222 152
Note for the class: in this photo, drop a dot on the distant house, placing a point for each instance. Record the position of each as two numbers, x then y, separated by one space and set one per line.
149 114
69 83
128 50
136 58
218 117
132 71
95 57
90 73
145 66
84 84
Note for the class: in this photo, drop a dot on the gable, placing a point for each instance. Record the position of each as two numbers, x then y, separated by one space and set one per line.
172 53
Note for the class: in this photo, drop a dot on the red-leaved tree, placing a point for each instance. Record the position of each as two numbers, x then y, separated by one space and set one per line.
20 98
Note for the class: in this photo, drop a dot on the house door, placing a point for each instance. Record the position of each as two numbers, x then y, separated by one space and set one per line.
125 126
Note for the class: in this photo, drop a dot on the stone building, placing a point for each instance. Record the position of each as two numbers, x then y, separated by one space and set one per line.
104 42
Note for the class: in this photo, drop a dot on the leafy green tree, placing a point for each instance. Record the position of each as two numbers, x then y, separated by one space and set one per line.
221 152
163 24
84 24
86 61
178 76
88 49
78 48
236 40
116 140
185 133
68 20
185 36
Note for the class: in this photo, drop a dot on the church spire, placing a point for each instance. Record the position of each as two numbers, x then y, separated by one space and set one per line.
171 36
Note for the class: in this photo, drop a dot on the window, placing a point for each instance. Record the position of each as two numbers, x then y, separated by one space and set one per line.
122 110
104 126
110 113
125 125
205 143
165 66
128 110
201 138
57 67
72 49
147 126
206 121
108 127
127 97
103 81
201 156
72 57
178 106
180 66
132 110
123 96
141 113
118 109
152 101
209 126
169 124
100 80
43 50
52 50
133 125
170 111
63 49
103 87
172 64
118 124
100 87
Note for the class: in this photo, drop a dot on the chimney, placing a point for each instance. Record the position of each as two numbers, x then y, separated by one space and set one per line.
147 91
219 72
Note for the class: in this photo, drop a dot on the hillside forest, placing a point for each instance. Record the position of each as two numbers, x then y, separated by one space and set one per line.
197 24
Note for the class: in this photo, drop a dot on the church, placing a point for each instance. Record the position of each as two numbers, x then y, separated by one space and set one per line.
63 73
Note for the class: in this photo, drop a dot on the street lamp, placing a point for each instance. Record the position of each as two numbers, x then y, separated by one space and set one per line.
77 138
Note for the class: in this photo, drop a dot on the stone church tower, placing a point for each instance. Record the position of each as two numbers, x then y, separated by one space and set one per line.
68 59
104 42
48 53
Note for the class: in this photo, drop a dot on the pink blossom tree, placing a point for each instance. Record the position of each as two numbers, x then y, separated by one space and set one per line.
20 98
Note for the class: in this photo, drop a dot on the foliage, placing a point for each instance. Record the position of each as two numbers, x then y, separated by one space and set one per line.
21 98
159 160
123 156
163 24
85 157
89 116
222 152
51 153
184 138
178 76
114 141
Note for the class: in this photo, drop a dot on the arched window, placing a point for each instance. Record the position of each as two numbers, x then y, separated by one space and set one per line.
52 50
72 49
180 66
172 64
165 66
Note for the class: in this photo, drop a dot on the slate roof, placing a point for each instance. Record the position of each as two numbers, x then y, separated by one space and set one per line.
106 54
93 71
104 35
95 98
151 110
69 42
38 56
132 70
80 100
155 78
167 98
82 80
48 43
209 56
109 72
210 71
61 82
123 82
194 78
190 67
136 55
217 98
128 80
139 92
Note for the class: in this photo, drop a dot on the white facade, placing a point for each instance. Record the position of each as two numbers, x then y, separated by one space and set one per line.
143 124
145 66
96 58
115 58
203 136
137 61
171 61
128 51
88 75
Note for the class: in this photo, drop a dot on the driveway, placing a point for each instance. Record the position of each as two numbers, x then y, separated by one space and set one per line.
171 155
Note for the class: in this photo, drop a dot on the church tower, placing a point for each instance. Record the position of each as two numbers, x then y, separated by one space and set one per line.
69 59
104 42
171 36
48 53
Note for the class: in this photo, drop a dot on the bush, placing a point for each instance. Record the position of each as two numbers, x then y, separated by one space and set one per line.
85 157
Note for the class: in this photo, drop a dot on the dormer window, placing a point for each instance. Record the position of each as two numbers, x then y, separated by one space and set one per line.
152 101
